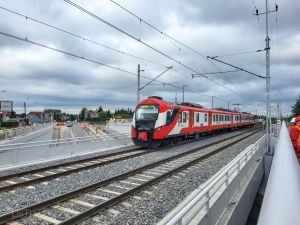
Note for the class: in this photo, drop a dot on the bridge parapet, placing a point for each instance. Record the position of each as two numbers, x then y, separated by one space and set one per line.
227 197
281 203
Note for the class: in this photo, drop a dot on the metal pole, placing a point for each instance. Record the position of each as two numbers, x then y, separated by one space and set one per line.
25 111
268 118
138 85
183 92
212 102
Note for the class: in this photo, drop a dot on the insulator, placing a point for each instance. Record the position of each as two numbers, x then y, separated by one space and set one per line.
256 11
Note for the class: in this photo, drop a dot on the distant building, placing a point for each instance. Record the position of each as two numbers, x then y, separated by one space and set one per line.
93 114
5 117
49 114
35 117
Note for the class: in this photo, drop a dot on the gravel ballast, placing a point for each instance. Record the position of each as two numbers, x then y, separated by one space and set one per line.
165 195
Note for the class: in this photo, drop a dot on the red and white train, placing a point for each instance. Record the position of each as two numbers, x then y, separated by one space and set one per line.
157 122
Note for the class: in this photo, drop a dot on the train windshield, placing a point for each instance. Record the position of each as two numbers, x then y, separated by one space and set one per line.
146 112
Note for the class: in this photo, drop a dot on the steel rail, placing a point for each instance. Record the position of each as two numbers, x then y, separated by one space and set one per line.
38 206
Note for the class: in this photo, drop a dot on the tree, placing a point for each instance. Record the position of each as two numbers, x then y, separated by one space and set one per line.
81 114
100 109
13 114
296 108
108 114
102 115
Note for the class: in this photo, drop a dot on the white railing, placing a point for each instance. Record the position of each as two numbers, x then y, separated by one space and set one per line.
220 190
281 203
22 153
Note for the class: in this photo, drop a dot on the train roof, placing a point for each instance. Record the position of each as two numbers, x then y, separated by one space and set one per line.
196 105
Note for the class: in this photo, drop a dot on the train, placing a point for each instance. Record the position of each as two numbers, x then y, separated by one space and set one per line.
157 122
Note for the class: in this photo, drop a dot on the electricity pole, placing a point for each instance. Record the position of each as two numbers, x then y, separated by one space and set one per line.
238 104
212 102
183 92
268 101
138 85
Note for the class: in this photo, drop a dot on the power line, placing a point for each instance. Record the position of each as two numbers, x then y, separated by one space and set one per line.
241 53
122 31
80 57
213 58
84 39
78 36
155 28
181 42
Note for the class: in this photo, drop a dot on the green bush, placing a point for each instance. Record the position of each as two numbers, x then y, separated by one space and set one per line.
10 124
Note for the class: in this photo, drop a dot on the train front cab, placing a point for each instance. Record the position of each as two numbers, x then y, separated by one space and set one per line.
145 124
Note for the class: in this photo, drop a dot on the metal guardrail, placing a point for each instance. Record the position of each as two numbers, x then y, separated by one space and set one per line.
22 153
220 190
281 203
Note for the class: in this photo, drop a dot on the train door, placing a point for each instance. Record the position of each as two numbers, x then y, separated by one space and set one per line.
209 121
183 118
191 122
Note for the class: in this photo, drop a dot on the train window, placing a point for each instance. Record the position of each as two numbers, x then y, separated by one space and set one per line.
180 117
168 120
217 118
184 117
197 117
147 112
205 117
214 117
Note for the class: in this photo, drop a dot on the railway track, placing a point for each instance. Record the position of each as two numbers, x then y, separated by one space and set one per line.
51 172
104 194
31 177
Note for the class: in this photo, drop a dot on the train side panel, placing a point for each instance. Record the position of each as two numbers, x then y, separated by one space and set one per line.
157 122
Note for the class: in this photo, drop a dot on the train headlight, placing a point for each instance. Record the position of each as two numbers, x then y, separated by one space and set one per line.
157 129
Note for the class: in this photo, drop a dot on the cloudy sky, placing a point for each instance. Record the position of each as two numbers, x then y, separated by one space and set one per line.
73 54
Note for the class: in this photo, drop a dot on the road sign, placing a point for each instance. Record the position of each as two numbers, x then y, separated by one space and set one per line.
6 106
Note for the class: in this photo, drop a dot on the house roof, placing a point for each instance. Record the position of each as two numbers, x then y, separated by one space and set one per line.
93 111
35 113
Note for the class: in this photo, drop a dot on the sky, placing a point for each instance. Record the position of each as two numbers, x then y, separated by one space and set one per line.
73 54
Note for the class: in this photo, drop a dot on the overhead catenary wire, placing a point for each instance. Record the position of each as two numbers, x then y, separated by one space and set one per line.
82 57
90 60
172 39
213 58
262 42
117 51
78 36
151 47
102 44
